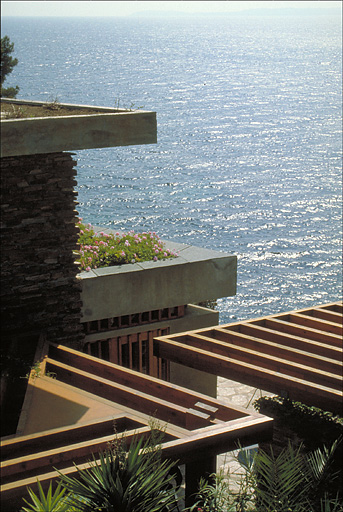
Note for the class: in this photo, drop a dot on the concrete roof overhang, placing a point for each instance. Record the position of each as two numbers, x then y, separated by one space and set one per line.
94 127
296 355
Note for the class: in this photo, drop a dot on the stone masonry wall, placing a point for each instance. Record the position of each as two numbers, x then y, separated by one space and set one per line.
40 292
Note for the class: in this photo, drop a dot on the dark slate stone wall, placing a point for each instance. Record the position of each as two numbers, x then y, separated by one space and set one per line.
40 291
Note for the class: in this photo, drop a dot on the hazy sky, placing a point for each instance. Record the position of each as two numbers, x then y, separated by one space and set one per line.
119 8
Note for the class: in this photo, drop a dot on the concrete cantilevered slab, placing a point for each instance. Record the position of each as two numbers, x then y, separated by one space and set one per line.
94 127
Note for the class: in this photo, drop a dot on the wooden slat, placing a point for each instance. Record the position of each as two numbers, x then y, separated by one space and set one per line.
263 360
219 439
209 409
136 400
252 336
139 381
140 366
322 350
123 395
58 457
247 430
196 419
120 352
150 349
252 375
113 350
55 438
300 349
335 306
130 341
315 323
326 314
283 325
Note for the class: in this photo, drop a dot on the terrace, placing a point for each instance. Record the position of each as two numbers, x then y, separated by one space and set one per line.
35 127
70 324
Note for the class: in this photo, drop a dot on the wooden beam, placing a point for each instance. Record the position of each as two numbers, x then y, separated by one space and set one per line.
55 438
100 386
252 375
283 324
335 306
252 336
129 397
113 350
316 323
77 453
326 314
264 360
218 440
296 344
151 385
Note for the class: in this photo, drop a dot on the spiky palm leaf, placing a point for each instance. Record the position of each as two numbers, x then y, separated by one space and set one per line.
320 462
331 504
51 502
136 481
323 476
283 481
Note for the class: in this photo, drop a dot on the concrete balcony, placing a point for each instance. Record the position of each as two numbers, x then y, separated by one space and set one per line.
196 275
72 127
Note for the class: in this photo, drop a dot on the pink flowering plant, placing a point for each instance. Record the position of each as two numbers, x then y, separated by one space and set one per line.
105 250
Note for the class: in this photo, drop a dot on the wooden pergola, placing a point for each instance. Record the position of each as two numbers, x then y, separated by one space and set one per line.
197 427
296 354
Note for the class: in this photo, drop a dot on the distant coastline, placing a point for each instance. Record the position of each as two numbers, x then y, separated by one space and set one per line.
249 13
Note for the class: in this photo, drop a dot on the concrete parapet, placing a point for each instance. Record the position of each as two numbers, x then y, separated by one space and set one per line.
196 275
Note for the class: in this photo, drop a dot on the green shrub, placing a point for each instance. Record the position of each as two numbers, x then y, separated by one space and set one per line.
133 481
313 425
7 65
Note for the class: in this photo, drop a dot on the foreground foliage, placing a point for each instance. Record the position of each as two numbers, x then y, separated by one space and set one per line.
104 250
120 480
57 501
136 479
289 482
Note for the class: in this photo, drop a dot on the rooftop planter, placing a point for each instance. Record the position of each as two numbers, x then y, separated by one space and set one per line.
68 127
196 275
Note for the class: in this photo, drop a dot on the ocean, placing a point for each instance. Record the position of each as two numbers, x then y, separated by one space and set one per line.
248 159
